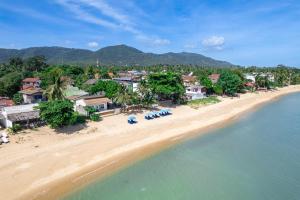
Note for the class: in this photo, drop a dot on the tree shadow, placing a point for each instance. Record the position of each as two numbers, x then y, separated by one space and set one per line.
71 129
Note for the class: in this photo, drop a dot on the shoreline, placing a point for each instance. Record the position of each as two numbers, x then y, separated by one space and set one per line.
51 169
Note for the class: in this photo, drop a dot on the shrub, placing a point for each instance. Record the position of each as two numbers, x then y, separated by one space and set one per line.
77 119
56 113
95 117
15 128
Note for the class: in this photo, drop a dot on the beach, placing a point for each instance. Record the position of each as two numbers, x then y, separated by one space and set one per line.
42 164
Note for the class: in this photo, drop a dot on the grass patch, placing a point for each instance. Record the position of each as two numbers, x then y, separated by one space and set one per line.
203 102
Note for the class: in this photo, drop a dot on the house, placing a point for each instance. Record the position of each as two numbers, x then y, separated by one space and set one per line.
23 115
5 102
100 103
214 78
250 77
195 92
189 80
32 95
31 83
128 82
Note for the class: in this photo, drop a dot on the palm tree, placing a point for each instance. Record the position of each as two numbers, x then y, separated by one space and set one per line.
145 95
124 97
56 90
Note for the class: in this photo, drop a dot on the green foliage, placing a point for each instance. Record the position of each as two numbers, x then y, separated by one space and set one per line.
110 88
90 110
218 89
57 113
95 117
166 86
56 90
15 128
18 98
145 94
36 63
262 81
230 82
76 118
10 84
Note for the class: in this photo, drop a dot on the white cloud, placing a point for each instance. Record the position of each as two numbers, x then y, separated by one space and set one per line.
114 18
215 42
93 44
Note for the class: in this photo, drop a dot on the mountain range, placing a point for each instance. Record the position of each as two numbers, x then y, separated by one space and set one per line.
120 55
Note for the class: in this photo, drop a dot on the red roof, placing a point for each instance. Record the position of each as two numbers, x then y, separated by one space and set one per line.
214 77
31 80
4 101
249 84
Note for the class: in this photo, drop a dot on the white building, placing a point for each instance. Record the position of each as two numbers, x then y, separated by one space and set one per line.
249 76
99 103
22 114
195 92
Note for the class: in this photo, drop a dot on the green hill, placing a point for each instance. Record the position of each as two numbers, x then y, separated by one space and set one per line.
120 55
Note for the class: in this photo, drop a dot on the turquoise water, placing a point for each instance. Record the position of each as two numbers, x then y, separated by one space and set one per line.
257 158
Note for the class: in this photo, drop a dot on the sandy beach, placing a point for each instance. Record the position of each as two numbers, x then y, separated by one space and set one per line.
42 164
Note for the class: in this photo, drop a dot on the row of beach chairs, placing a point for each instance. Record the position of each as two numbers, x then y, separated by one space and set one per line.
151 115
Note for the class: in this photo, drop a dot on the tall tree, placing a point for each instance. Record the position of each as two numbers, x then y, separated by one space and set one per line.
230 82
55 91
166 85
36 63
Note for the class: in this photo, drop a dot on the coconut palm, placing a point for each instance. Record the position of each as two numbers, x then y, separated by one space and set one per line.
56 90
124 96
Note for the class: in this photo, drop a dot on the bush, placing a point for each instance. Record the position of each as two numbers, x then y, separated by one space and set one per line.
57 113
95 117
15 128
77 119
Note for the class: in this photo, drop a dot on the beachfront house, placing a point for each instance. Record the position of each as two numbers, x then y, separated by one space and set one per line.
24 115
99 102
32 95
194 92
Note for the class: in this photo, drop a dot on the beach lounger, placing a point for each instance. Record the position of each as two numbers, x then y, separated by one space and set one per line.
132 119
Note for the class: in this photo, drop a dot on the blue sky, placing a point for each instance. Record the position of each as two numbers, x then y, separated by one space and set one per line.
262 33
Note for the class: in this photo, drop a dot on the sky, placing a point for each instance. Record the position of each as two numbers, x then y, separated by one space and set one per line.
243 32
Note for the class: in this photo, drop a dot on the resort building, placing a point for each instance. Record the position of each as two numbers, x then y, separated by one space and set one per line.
99 103
31 83
25 115
32 95
195 92
214 78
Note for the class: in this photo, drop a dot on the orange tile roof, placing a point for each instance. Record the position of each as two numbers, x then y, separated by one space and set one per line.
31 80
